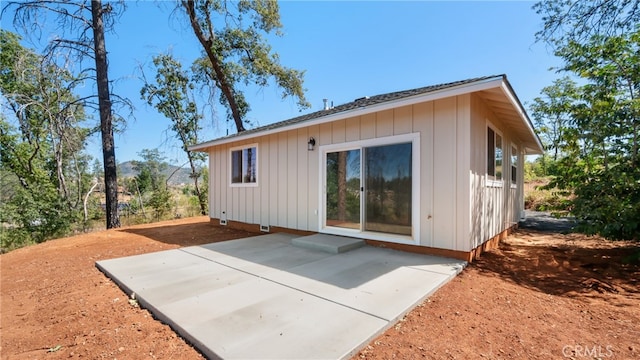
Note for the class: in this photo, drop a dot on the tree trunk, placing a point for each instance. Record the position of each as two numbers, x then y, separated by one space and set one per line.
342 185
221 78
106 125
86 199
58 155
199 194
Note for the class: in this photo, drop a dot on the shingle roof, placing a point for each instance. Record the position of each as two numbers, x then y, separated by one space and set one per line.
494 90
363 102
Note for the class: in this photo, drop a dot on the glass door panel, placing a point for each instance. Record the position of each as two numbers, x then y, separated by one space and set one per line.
388 183
343 189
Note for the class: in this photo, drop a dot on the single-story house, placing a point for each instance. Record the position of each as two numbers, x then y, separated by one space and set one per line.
437 169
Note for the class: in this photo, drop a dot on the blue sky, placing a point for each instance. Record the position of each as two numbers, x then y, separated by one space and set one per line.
348 49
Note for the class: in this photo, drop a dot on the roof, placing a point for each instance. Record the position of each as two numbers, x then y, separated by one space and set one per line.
507 104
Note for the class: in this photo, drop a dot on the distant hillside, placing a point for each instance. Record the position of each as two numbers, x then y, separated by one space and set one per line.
181 176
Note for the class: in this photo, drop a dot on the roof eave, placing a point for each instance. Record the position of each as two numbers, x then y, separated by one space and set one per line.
538 149
480 85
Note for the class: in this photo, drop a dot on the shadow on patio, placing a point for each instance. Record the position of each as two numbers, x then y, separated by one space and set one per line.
347 270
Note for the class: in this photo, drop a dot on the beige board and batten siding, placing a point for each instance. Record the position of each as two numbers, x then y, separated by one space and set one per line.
282 196
495 205
289 183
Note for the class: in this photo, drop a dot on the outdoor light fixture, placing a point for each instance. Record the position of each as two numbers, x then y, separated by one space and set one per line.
311 144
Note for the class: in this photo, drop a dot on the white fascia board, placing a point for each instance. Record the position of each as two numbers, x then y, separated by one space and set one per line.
506 89
430 96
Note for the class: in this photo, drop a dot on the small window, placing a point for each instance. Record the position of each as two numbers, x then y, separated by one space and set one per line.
494 154
244 165
514 165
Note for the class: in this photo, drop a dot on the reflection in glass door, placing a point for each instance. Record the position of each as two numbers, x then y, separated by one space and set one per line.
388 186
378 201
343 189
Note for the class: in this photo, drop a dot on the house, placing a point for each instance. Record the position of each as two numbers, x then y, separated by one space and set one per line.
437 169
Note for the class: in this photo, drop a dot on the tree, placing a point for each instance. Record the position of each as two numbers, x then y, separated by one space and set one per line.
236 53
41 142
608 121
577 20
151 180
172 95
151 170
598 148
552 113
612 66
85 26
32 205
106 119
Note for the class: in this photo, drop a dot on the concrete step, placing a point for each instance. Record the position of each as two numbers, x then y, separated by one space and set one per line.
332 244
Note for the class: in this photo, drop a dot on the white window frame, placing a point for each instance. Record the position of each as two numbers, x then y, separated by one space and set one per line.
516 165
241 148
491 179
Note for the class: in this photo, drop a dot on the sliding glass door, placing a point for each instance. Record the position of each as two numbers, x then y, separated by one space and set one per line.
388 188
370 189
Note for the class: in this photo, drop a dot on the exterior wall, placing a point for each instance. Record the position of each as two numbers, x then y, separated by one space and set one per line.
283 197
495 206
451 146
453 214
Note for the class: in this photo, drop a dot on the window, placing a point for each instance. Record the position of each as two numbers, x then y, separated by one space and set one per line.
494 154
514 165
244 165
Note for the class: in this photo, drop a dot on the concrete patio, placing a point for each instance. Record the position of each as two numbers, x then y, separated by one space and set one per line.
279 296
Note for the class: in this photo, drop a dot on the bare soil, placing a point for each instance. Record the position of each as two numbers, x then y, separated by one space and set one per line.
540 296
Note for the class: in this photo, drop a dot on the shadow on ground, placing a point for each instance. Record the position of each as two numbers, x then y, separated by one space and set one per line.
566 265
191 234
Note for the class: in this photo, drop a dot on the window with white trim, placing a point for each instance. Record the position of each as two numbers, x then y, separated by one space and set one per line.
244 165
514 164
494 154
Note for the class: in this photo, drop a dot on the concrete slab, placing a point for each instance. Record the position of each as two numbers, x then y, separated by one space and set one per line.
330 243
262 297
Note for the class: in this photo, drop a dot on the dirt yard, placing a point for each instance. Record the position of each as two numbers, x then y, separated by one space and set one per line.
541 296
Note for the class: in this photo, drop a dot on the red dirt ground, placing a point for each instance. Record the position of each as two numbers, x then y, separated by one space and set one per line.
539 296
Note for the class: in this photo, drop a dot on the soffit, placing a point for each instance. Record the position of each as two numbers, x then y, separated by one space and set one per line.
507 108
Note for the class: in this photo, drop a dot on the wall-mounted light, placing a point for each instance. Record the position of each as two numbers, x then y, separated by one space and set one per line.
311 144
